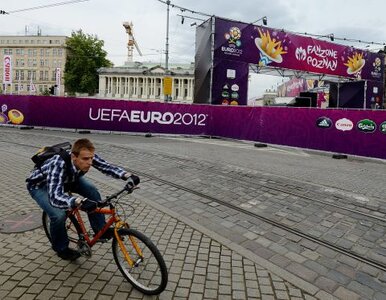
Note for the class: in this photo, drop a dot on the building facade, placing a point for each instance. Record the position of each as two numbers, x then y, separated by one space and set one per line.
144 81
32 64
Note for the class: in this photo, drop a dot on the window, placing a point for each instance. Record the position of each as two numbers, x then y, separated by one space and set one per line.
41 74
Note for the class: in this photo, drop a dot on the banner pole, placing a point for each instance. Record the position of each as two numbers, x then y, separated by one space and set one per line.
364 96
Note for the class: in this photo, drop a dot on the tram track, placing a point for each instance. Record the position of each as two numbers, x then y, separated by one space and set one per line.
261 186
297 232
256 185
370 214
274 223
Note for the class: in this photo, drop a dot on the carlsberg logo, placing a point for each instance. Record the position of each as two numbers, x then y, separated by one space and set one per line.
366 125
382 127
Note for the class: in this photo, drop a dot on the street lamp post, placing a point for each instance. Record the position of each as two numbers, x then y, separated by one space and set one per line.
264 19
167 73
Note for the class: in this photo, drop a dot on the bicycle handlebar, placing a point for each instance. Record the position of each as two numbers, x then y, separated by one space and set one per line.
108 199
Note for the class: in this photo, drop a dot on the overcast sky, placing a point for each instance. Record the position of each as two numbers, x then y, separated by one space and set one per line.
360 20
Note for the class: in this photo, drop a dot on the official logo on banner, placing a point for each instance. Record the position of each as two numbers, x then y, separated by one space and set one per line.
234 43
7 69
233 36
324 122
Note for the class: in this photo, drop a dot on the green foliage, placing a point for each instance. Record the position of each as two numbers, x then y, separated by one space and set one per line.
84 57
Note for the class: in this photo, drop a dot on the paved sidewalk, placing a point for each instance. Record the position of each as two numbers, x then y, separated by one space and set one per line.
202 264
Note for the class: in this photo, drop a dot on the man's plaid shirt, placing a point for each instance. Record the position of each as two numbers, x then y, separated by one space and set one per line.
53 176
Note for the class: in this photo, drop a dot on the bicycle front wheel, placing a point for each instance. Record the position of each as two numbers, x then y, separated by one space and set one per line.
142 264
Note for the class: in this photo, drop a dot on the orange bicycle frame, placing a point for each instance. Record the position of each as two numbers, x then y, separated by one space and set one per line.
113 219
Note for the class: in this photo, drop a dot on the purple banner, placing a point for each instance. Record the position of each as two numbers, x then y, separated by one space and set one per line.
271 47
357 132
111 115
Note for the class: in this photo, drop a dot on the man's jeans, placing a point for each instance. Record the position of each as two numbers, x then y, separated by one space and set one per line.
58 216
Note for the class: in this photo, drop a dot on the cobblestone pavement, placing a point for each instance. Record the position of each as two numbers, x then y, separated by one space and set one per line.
211 252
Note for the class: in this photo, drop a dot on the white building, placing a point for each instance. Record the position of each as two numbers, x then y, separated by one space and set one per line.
36 62
144 81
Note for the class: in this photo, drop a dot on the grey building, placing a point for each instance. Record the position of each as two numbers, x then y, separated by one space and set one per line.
144 81
36 63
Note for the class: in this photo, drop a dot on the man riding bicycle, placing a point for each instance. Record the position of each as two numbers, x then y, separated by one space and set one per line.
50 185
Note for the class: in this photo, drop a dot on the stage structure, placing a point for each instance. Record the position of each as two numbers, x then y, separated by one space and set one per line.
227 50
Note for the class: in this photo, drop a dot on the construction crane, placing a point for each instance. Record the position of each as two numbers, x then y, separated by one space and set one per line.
131 42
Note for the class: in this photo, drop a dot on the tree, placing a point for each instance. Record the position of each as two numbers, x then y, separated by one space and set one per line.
84 57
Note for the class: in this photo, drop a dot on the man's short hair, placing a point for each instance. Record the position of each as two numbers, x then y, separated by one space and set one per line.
82 144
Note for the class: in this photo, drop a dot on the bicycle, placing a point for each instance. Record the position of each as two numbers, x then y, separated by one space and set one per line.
137 258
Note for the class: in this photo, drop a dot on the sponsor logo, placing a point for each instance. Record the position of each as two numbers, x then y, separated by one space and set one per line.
344 124
366 125
225 94
235 87
235 95
382 127
324 122
7 69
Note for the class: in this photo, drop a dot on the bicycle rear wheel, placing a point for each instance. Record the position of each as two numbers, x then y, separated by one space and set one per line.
71 229
148 274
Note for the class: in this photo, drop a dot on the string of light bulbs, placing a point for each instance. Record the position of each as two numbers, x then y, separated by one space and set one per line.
331 36
43 6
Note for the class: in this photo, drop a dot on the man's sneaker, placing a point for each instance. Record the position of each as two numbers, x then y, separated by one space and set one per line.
69 254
